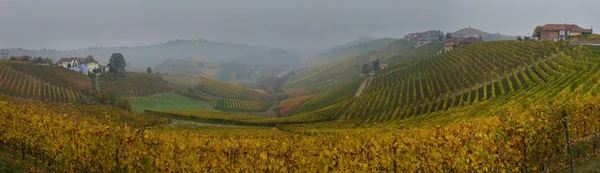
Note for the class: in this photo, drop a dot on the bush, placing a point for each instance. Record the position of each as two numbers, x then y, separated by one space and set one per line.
125 104
101 97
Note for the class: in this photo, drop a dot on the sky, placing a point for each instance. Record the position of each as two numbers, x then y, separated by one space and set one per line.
304 25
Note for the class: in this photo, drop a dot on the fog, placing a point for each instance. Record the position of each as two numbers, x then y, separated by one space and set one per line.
294 25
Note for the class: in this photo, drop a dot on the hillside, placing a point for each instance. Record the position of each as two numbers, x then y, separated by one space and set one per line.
465 32
490 70
350 49
187 67
329 113
141 57
325 77
492 106
231 91
186 81
14 82
53 74
135 84
233 97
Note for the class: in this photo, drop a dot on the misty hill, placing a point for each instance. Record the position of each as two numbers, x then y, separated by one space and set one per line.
350 49
140 57
466 32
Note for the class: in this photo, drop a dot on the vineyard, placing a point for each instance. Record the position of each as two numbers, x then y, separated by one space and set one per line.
502 106
231 91
329 97
332 75
183 80
285 107
531 139
16 83
464 76
52 74
242 105
136 84
329 113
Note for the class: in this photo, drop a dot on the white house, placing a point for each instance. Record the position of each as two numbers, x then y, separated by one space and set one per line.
69 62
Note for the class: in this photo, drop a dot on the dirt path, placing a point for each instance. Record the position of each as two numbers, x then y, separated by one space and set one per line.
363 85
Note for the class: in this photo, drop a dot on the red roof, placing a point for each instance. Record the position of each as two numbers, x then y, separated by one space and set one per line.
470 40
22 58
570 27
69 59
466 40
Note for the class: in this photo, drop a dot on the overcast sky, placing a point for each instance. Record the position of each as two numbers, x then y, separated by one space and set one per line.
297 25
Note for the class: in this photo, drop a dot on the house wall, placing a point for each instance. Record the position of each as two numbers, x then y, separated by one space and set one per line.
93 66
83 68
548 35
575 33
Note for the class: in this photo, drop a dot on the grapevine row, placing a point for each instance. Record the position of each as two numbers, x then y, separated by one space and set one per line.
242 105
231 91
16 83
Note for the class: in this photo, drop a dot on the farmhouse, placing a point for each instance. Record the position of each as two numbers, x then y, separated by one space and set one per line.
561 31
69 62
422 37
383 65
81 65
91 64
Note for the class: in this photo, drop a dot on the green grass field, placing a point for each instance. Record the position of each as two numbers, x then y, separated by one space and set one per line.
168 101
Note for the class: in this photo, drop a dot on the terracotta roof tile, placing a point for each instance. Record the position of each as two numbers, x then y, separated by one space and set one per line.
69 59
570 27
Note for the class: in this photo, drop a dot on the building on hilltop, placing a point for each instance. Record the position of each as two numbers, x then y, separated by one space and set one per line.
561 31
91 64
422 37
383 65
69 62
453 42
81 65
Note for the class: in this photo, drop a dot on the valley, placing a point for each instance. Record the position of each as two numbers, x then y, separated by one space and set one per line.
428 102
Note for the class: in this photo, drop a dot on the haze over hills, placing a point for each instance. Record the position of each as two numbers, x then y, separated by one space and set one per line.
140 57
350 49
465 32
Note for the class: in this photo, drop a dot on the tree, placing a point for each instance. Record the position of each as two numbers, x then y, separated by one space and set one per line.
124 104
12 58
441 36
448 36
149 70
365 68
38 60
117 64
537 32
526 38
48 61
519 38
376 65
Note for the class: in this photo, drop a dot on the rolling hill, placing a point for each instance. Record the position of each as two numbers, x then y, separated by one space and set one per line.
350 49
501 106
140 57
233 97
465 32
325 77
135 84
